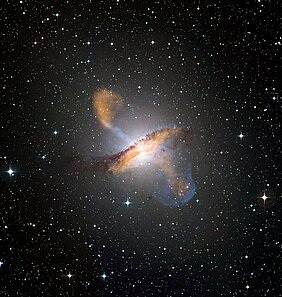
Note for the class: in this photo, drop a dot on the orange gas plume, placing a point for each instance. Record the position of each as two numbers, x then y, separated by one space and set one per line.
146 146
106 103
178 184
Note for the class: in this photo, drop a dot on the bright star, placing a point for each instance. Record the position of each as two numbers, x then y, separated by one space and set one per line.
69 275
10 171
241 135
127 202
55 132
264 197
1 263
104 276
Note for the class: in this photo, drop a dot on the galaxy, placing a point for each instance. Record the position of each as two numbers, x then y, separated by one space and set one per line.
154 147
140 148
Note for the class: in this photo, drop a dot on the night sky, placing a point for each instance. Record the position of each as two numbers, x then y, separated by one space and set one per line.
210 67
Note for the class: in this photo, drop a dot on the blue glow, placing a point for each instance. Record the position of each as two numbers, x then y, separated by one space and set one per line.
119 133
167 197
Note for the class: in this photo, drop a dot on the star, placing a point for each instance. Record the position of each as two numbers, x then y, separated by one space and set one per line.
69 275
127 202
1 263
264 197
10 171
104 276
55 132
241 135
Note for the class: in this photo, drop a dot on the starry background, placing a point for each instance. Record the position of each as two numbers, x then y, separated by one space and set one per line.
211 66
